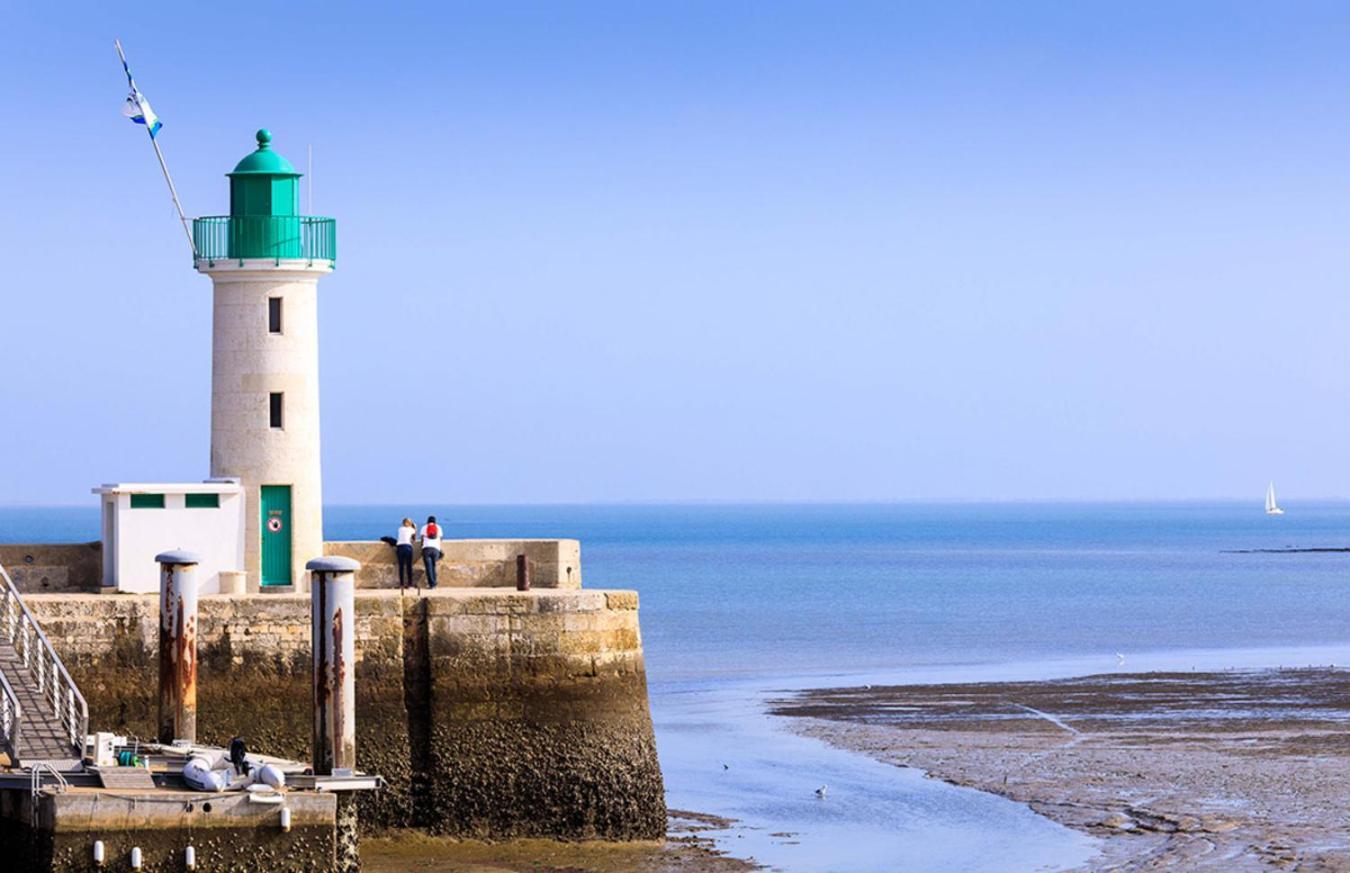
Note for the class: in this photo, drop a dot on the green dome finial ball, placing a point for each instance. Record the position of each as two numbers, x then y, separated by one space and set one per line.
263 161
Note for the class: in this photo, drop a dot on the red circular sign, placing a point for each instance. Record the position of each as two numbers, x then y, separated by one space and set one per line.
274 524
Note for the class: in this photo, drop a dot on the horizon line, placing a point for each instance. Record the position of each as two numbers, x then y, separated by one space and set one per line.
753 501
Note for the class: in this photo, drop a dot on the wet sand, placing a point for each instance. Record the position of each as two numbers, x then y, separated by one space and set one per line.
1232 771
685 850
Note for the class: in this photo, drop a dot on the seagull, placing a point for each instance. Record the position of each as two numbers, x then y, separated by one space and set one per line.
1120 659
820 792
726 766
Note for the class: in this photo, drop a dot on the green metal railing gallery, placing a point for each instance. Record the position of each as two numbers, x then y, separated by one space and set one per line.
279 237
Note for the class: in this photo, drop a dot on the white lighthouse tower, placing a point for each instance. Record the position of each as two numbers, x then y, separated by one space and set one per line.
265 260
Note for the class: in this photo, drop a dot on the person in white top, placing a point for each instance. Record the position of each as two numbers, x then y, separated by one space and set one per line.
431 548
404 549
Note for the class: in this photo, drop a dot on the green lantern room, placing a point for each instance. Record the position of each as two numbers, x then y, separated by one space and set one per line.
264 183
264 220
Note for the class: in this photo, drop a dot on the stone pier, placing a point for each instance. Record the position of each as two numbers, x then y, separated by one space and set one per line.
491 713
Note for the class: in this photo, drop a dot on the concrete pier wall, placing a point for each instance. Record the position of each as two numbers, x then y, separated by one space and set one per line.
78 567
228 832
53 567
492 713
470 563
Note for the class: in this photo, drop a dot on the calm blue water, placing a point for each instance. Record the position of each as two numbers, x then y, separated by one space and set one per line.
773 590
790 590
739 602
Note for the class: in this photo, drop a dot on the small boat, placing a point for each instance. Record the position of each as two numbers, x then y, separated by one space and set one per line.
1272 508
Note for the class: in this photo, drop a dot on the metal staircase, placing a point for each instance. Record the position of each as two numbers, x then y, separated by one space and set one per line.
43 716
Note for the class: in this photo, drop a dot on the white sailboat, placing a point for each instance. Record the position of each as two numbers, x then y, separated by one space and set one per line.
1272 508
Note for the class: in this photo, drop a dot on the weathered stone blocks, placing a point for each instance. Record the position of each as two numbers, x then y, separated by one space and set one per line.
491 713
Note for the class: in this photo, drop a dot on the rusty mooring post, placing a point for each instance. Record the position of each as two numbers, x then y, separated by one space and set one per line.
522 573
333 628
333 625
177 646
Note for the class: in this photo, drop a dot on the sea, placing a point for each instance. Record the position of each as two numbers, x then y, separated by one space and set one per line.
743 604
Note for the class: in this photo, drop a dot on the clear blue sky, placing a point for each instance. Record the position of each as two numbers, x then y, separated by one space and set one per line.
646 251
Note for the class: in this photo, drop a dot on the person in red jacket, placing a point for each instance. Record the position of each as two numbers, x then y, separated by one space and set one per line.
431 548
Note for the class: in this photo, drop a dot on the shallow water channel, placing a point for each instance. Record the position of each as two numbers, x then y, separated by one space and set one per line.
875 816
722 754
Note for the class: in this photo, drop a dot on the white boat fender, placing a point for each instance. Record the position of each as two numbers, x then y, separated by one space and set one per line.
200 776
271 776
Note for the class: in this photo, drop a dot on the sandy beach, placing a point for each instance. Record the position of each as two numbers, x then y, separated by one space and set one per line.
1231 771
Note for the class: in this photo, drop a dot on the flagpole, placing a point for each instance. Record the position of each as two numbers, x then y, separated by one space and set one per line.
173 192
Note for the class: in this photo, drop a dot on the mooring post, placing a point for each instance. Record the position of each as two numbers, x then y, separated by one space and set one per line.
333 628
333 624
177 646
522 573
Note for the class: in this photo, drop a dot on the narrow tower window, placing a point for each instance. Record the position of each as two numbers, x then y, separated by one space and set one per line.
275 398
274 315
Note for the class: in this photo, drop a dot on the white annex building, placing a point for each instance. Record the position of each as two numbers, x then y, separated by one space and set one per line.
139 518
262 510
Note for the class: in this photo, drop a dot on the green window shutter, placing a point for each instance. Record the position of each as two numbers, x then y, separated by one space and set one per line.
147 501
202 501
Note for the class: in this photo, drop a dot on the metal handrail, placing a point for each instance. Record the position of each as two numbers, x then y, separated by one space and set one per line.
11 718
35 784
35 780
44 666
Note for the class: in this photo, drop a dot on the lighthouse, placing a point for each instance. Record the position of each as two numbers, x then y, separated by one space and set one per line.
265 261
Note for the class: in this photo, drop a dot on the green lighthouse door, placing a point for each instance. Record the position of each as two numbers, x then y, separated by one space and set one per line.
276 534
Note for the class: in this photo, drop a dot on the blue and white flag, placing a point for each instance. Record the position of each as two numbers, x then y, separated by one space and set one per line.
137 108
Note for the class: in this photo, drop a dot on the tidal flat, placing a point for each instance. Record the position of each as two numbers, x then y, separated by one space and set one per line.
1206 771
684 849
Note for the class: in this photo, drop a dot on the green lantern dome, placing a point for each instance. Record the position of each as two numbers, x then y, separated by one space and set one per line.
264 220
264 161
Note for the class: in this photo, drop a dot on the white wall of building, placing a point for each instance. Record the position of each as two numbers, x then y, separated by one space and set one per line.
132 536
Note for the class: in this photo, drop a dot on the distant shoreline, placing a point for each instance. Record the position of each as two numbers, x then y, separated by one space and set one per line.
1314 549
1218 771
